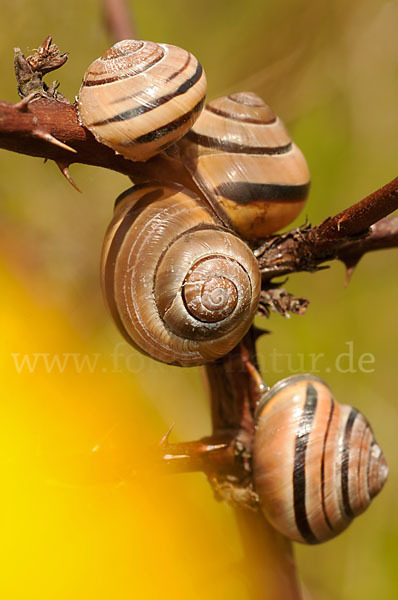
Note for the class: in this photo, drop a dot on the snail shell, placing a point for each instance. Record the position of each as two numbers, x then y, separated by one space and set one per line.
140 97
180 287
242 158
316 462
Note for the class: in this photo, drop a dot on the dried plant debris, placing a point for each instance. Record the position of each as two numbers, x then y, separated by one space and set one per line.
280 301
31 70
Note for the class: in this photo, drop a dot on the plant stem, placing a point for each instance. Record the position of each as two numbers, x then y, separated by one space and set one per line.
208 455
119 20
235 388
269 560
356 219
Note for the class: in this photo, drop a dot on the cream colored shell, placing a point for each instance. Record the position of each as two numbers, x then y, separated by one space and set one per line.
180 287
316 462
140 97
242 158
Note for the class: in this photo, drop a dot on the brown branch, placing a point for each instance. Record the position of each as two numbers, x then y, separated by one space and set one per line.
269 559
44 115
235 388
356 219
48 127
212 454
295 251
18 133
119 21
383 234
44 126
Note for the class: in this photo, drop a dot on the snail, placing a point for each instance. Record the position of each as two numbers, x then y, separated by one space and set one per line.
243 179
181 287
140 97
242 158
316 463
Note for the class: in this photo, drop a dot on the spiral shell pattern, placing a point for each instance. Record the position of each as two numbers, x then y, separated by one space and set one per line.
140 97
242 158
180 287
316 462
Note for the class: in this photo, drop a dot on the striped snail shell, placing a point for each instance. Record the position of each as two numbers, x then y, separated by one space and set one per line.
316 462
140 97
242 158
180 287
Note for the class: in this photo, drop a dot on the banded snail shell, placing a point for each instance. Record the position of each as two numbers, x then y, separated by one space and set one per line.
242 158
316 462
180 287
140 97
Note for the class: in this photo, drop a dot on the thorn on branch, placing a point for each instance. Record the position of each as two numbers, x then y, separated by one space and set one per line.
165 439
22 105
257 332
382 235
349 273
64 168
256 378
47 137
350 264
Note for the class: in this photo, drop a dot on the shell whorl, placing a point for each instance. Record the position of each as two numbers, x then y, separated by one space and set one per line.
180 287
242 158
140 97
316 463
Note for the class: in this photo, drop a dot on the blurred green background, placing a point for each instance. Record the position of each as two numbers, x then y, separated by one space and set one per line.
330 71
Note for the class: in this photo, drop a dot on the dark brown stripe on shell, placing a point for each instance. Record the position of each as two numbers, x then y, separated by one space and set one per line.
236 117
374 443
345 459
124 75
325 439
245 192
175 74
131 113
366 428
182 69
299 477
232 147
162 131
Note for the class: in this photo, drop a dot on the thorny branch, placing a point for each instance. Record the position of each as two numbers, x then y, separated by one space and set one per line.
50 129
356 219
303 249
44 124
